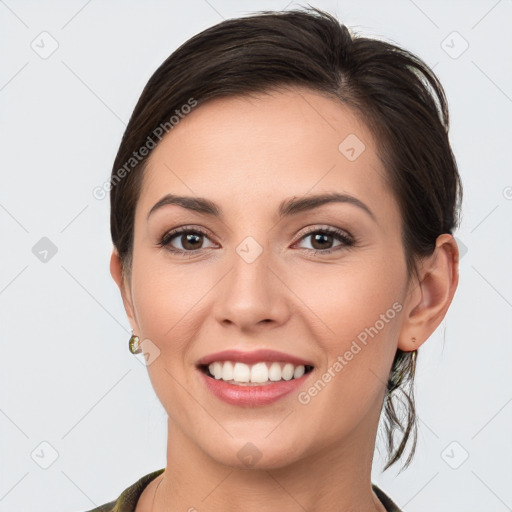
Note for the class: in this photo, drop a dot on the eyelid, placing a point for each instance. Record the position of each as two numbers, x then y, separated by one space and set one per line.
325 229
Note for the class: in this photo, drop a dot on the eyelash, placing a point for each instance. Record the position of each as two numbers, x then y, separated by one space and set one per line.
340 235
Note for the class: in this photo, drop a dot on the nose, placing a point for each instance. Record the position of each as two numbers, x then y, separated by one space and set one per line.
253 295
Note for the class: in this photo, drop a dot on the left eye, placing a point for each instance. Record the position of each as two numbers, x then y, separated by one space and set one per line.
323 237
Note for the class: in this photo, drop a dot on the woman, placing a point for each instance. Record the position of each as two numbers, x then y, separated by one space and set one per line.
282 204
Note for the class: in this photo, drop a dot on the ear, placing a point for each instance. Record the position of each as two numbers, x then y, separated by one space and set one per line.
429 298
116 271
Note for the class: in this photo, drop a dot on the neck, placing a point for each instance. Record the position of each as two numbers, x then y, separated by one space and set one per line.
334 478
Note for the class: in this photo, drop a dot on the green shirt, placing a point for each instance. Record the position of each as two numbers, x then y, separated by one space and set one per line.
129 497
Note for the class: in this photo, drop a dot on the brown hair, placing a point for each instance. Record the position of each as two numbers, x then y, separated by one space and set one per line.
395 93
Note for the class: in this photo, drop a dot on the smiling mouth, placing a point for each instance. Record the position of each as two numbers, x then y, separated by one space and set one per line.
259 374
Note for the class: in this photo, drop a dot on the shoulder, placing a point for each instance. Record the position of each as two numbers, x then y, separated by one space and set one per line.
127 501
107 507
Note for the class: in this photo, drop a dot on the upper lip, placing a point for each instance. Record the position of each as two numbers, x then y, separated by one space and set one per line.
253 356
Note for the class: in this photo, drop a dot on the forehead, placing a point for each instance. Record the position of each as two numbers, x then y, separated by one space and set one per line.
249 151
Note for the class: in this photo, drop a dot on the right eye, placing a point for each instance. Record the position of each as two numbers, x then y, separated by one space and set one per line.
188 238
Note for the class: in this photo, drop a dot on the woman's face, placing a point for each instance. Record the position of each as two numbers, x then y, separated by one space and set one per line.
267 275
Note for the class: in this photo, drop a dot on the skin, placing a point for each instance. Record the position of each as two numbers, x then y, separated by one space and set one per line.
247 155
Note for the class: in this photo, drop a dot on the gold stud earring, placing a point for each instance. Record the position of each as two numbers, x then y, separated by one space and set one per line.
134 344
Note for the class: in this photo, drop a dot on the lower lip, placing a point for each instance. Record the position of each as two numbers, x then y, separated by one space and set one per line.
252 395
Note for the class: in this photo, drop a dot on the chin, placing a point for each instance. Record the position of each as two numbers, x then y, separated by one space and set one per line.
254 454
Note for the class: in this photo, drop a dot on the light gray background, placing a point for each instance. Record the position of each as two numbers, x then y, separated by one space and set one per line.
67 378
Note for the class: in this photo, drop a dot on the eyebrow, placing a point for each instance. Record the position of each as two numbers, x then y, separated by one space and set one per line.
287 208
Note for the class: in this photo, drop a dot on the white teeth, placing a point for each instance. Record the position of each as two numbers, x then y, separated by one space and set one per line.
274 373
299 372
227 371
288 371
241 372
257 373
217 370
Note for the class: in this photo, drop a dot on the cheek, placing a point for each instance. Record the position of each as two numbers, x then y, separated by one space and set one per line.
152 298
165 296
351 297
355 316
167 309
